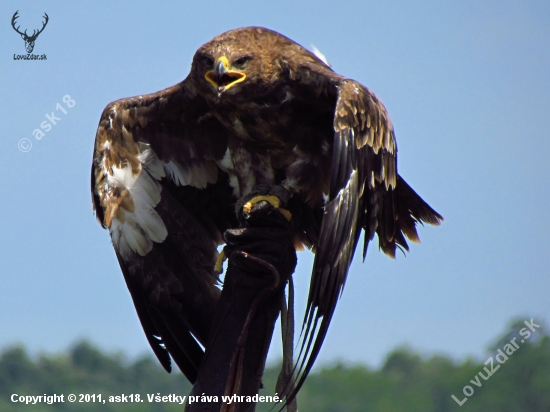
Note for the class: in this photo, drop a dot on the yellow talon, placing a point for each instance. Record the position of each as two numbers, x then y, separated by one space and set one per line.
218 267
274 200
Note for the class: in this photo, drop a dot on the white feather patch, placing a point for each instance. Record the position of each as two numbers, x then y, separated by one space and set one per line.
175 173
319 55
128 237
150 161
226 163
137 231
196 173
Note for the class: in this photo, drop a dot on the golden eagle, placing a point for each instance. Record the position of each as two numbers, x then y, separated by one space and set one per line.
256 109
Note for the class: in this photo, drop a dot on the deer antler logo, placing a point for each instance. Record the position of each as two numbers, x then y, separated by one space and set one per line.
29 40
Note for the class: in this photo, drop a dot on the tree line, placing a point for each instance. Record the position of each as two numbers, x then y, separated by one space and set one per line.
514 377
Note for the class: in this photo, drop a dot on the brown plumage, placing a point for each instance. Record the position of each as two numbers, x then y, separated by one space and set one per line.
256 108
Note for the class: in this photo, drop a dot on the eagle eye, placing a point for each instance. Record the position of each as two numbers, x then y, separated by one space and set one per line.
241 61
207 60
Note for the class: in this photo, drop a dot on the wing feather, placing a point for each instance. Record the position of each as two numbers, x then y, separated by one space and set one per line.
366 192
157 188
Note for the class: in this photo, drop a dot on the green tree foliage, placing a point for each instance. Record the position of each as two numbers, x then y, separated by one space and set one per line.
85 370
407 381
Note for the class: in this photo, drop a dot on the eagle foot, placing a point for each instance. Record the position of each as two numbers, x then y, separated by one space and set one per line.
264 232
276 196
275 202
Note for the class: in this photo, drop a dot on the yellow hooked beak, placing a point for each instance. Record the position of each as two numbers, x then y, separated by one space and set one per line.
221 77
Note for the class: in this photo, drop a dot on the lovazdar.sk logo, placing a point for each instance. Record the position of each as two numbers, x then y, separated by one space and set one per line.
29 39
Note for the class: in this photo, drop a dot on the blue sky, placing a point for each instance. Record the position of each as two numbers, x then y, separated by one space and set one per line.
466 83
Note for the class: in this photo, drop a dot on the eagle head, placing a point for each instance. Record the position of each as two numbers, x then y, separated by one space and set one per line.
239 64
226 74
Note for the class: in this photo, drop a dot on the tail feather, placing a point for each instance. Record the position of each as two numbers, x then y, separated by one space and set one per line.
410 210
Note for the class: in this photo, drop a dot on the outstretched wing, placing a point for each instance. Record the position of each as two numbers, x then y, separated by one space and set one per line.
158 190
365 193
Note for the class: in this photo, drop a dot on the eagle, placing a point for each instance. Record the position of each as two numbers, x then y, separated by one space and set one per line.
256 109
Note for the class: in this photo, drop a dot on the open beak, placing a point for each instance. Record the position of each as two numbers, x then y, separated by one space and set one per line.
221 77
